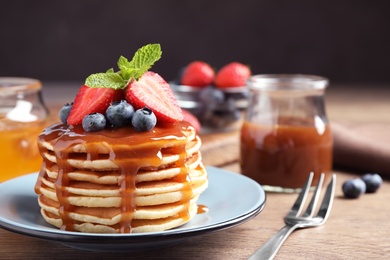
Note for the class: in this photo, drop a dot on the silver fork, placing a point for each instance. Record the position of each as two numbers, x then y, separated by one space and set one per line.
294 220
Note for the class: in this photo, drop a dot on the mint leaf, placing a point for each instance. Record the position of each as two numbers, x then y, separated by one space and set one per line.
124 66
105 80
144 59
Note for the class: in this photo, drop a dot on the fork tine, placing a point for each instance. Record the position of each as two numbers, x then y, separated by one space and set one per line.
313 202
299 203
327 201
293 221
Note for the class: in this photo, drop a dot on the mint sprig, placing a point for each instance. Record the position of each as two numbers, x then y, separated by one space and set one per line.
142 61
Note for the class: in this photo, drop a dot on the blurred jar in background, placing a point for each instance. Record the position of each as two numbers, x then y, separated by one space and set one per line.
22 118
286 134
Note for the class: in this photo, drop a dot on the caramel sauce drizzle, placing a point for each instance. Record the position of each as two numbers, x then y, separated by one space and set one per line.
128 149
202 209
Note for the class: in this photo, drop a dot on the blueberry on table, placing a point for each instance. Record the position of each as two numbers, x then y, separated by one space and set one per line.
119 113
64 112
94 122
373 181
144 119
353 188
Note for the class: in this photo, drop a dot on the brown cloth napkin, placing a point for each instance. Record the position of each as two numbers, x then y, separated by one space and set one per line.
362 147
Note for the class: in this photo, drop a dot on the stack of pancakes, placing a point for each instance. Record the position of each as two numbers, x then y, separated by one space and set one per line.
120 181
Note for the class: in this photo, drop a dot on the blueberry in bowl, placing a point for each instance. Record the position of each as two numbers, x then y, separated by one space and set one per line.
218 100
216 109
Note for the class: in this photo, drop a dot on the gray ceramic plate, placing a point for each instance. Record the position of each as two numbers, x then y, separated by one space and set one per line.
231 199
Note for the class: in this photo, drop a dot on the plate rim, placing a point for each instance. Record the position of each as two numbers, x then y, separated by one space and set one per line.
65 237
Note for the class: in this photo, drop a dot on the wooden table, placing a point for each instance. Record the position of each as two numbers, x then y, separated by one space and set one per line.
356 229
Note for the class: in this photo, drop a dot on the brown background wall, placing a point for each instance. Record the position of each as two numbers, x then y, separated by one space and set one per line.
345 40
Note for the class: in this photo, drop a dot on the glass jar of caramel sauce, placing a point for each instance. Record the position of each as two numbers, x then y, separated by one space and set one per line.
286 133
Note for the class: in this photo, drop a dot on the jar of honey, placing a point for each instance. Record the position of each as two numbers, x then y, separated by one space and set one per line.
22 117
286 133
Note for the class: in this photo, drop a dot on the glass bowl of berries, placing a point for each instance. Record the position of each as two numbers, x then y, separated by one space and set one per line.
217 99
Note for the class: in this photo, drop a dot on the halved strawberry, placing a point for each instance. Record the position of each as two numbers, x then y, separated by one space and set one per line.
152 91
234 74
92 100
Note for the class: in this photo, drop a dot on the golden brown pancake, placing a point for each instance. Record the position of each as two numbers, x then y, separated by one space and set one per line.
120 180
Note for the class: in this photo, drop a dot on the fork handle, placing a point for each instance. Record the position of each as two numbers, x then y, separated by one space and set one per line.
272 246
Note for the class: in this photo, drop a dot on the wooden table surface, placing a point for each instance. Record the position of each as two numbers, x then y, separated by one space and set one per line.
356 229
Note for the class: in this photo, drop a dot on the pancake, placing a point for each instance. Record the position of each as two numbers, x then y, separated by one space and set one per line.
120 180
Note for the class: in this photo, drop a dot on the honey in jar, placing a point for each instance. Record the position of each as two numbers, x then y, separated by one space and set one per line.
22 118
19 152
286 134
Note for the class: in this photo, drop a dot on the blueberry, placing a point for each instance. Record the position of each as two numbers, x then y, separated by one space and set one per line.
236 115
353 188
64 113
94 122
211 95
119 113
230 105
373 181
143 119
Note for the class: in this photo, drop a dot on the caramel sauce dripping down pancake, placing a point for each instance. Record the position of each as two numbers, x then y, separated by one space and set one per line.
120 180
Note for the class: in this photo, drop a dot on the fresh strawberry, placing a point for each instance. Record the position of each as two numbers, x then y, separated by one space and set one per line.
190 118
198 74
152 91
234 74
92 100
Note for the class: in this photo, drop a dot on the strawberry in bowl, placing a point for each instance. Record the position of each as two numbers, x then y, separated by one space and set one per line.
217 98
